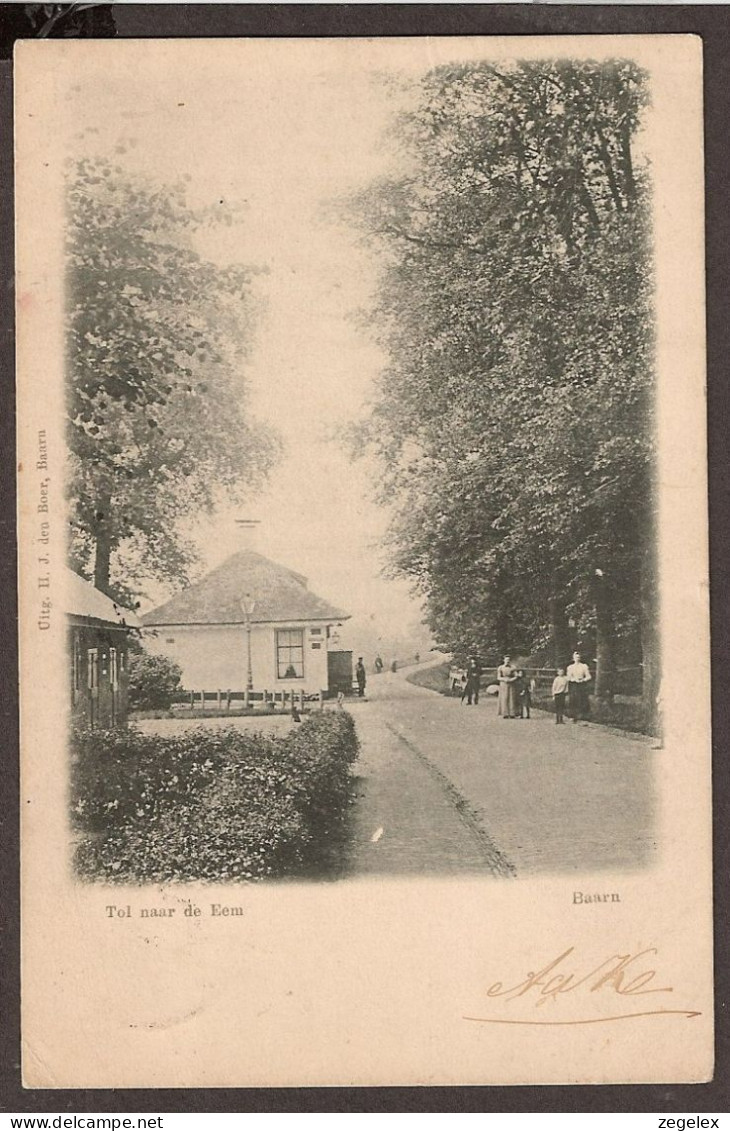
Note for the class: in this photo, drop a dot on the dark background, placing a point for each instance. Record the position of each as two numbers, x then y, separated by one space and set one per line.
712 23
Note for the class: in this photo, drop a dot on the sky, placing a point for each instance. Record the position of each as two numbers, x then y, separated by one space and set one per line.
288 127
289 142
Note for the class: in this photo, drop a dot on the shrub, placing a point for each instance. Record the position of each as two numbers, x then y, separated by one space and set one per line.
210 804
153 680
119 775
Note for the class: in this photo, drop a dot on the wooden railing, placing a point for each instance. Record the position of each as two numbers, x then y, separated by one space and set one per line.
285 698
626 680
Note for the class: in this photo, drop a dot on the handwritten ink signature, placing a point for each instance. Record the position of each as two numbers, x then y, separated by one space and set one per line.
619 975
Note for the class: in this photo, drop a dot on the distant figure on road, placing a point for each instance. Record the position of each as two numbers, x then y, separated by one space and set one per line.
473 679
579 677
560 689
378 664
360 676
417 657
394 666
508 702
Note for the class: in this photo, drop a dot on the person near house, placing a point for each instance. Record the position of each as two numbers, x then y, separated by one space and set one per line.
360 676
473 680
579 677
507 703
560 690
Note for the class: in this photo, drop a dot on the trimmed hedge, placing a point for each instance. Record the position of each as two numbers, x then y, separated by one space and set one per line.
209 804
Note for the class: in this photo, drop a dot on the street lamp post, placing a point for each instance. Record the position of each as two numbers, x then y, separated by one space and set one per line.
248 605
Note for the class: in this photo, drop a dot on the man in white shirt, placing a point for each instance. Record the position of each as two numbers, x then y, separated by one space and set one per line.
579 677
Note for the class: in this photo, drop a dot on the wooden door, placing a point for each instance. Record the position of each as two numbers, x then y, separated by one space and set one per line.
92 657
114 683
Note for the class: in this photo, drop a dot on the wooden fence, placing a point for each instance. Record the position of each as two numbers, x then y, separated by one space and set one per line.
627 681
223 701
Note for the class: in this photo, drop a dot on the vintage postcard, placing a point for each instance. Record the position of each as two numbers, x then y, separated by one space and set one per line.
361 416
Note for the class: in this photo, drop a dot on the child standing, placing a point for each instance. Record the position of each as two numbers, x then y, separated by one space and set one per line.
524 690
560 687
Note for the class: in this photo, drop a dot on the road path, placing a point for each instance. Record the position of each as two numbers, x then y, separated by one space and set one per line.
444 788
408 818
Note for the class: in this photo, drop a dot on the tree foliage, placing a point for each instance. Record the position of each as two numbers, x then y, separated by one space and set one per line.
153 680
157 340
514 417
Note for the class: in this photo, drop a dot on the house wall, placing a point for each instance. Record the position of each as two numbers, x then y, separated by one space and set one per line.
214 657
99 676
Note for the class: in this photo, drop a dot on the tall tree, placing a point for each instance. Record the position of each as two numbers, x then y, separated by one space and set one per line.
514 418
156 347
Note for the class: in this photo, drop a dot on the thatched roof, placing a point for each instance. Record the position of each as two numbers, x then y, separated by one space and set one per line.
279 595
82 599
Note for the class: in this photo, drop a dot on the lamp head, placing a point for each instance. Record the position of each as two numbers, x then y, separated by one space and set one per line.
248 605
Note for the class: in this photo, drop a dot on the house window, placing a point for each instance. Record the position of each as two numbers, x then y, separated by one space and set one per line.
113 668
290 653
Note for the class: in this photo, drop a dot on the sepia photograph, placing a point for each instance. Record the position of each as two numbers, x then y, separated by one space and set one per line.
471 308
361 392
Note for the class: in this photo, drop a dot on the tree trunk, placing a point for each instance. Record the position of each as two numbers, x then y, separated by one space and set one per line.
502 634
559 632
605 641
629 181
587 199
610 174
103 545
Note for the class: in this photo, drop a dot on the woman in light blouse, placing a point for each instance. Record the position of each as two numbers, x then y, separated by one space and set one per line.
579 676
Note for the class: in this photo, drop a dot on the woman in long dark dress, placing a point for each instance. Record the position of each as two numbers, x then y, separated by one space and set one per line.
507 701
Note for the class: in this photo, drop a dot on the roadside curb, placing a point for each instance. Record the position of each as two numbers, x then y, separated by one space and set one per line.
633 735
500 866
